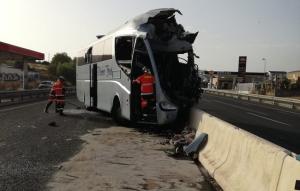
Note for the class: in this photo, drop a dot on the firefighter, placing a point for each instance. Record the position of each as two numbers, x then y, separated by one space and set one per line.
146 82
57 94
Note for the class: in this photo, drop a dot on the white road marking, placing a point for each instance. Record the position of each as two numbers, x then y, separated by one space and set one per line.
264 105
20 107
268 107
268 119
242 108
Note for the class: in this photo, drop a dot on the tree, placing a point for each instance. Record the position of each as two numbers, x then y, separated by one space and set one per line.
45 62
67 70
62 65
58 58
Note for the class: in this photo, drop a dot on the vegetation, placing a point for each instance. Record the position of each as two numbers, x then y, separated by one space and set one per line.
62 65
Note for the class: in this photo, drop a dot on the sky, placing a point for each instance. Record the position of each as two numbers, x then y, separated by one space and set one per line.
228 29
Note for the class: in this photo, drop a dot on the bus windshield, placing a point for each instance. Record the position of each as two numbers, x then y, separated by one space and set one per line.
178 75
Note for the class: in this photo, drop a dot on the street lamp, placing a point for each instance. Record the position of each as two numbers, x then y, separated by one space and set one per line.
265 62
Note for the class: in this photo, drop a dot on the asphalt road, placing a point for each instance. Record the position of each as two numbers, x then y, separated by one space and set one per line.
276 124
85 151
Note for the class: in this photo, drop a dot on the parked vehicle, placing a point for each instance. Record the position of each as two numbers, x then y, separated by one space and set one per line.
45 85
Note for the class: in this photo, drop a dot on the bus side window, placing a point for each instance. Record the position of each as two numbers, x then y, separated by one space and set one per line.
123 52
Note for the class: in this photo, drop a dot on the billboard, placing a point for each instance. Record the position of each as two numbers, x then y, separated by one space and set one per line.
242 65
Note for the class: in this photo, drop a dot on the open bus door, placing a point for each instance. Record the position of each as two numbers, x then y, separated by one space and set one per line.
141 60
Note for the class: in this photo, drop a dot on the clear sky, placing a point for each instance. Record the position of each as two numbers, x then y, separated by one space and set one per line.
227 29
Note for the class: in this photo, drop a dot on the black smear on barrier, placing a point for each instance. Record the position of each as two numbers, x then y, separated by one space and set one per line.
297 185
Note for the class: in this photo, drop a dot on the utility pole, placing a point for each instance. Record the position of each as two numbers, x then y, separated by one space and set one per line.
265 63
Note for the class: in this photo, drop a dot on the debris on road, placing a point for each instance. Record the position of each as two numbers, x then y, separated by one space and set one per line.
181 140
53 124
193 148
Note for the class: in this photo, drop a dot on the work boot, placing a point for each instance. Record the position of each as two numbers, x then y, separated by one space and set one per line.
47 107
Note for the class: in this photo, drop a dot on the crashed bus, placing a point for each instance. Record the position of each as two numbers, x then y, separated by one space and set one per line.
106 69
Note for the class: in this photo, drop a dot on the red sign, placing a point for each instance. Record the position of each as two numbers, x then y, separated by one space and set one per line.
242 67
242 64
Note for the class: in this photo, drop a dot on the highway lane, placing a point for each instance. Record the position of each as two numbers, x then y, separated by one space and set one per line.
276 124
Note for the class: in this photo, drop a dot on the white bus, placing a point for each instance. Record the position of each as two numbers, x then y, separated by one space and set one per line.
105 69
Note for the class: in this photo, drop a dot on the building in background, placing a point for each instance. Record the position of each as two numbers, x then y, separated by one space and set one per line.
9 73
229 80
294 76
276 75
14 78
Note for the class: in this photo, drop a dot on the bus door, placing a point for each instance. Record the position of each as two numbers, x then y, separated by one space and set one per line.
123 53
94 85
93 79
141 60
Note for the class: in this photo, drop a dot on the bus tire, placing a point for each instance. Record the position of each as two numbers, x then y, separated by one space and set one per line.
116 112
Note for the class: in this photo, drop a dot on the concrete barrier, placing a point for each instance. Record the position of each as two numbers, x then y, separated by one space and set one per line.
215 153
241 161
290 175
252 164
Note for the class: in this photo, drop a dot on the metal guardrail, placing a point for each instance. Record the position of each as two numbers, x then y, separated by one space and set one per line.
282 102
10 97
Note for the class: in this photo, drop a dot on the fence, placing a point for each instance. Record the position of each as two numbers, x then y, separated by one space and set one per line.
272 100
12 97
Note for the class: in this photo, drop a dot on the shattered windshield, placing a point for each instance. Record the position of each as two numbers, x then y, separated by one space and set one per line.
177 73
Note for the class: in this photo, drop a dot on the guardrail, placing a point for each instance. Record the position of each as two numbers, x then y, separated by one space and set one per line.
282 102
11 97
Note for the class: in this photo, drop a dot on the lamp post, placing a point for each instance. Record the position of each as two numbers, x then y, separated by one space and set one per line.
265 62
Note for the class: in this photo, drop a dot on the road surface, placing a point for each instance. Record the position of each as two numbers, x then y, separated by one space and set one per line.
86 151
276 124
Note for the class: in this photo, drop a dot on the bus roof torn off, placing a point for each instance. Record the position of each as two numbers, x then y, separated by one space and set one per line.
162 29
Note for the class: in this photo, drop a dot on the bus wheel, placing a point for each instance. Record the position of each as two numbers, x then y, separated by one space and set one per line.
116 112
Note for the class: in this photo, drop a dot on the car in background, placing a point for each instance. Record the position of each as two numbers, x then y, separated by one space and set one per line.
45 85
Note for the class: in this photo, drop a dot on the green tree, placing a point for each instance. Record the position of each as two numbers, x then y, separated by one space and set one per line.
62 65
45 62
67 70
58 58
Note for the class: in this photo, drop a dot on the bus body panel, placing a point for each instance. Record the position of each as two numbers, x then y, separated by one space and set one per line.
112 82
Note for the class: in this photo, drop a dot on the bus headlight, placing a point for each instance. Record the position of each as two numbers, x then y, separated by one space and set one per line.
165 106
